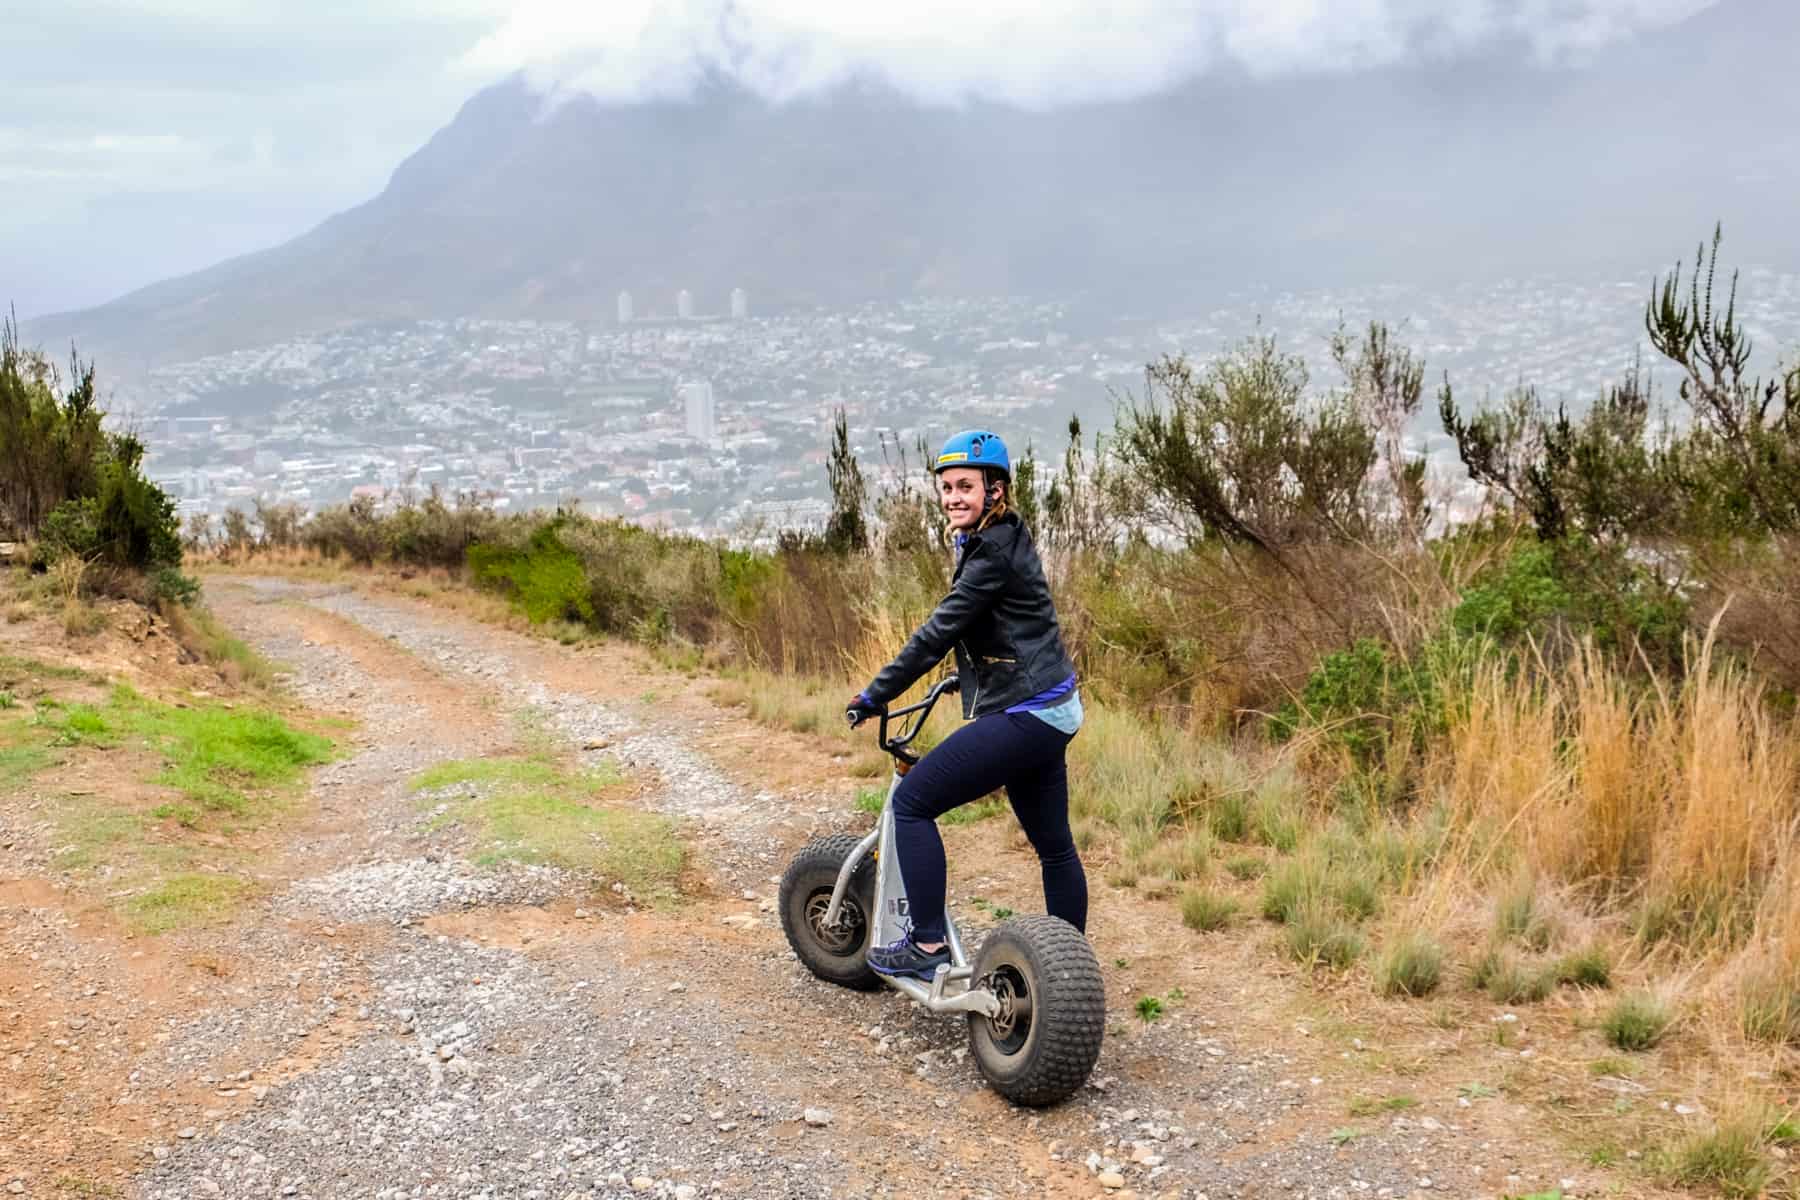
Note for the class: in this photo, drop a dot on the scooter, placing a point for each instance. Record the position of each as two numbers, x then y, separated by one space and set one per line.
1034 997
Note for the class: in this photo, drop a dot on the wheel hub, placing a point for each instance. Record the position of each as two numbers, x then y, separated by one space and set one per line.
1014 1016
838 937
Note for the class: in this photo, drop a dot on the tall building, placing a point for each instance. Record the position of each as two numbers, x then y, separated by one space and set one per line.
740 304
684 304
702 420
625 309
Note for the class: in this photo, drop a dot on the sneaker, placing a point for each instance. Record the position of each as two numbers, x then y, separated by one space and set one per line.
904 958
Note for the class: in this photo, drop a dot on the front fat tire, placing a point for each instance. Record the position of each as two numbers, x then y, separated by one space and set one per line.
1047 1061
805 887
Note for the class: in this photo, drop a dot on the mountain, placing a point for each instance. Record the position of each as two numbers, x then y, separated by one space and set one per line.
1446 169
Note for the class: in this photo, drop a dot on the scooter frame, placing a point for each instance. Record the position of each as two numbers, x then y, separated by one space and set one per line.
951 988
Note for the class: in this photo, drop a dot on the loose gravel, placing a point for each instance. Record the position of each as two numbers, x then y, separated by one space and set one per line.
689 1055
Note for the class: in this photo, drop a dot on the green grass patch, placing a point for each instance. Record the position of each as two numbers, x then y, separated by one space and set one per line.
531 809
21 755
184 900
1369 1106
969 814
15 669
1636 1021
1318 937
1508 980
1589 968
1411 965
869 800
1245 867
220 758
1207 911
1149 1008
1181 858
1730 1159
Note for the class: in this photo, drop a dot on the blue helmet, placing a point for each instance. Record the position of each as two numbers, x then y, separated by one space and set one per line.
974 448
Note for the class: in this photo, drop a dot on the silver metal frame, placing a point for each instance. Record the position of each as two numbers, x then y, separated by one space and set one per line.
949 990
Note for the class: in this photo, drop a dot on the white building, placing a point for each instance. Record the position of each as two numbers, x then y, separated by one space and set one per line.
702 419
626 311
740 304
684 304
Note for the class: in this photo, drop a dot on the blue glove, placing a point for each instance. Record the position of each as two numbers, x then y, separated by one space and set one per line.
861 708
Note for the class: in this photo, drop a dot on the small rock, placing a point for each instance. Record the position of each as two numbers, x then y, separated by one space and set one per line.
642 1183
686 1191
1112 1181
678 987
818 1118
187 1133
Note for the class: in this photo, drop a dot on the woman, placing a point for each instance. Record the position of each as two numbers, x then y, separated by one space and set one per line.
1018 687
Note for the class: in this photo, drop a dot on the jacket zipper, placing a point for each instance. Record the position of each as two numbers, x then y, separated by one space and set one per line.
975 670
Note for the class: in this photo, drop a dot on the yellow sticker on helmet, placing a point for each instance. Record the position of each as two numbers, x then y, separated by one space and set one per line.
958 456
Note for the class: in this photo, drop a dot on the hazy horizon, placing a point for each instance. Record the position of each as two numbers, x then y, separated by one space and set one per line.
215 130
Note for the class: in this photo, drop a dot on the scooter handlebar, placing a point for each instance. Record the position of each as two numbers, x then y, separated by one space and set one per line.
897 744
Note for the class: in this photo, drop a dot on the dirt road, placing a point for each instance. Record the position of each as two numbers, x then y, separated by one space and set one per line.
396 1020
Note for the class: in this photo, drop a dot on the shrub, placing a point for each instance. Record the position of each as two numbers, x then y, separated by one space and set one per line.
353 530
1636 1021
1361 698
167 584
545 579
1411 965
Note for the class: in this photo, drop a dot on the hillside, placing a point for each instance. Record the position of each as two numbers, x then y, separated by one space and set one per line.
1471 167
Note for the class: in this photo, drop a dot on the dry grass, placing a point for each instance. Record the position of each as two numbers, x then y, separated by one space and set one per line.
1686 796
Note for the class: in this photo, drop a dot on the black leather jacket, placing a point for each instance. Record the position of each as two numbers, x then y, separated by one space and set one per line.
1000 621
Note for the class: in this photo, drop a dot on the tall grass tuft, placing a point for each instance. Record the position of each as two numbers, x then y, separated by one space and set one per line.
1637 1021
1410 965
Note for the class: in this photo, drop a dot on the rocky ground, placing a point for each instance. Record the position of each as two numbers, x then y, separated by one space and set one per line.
397 1021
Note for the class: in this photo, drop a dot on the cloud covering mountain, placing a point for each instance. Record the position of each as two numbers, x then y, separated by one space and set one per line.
543 198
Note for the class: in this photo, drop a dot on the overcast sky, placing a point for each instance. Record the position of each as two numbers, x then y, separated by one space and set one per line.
146 139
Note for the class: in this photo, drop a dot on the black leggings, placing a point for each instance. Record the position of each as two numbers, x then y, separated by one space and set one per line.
1016 751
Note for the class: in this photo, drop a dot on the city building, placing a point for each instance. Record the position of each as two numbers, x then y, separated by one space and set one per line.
625 309
702 420
740 304
684 304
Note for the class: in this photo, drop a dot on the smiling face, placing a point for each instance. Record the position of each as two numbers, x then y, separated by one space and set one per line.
961 492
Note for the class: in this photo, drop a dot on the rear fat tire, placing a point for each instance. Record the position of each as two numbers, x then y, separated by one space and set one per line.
840 958
1043 1059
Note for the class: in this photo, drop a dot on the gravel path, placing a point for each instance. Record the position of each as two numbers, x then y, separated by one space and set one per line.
506 1042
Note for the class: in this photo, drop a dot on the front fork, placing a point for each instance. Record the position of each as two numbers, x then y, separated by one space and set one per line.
891 922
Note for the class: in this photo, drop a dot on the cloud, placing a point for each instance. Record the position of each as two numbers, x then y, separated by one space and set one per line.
1034 53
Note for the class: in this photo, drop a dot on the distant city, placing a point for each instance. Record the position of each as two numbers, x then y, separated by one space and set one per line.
717 423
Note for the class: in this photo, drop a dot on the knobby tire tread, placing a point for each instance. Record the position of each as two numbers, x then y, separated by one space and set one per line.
1070 1004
